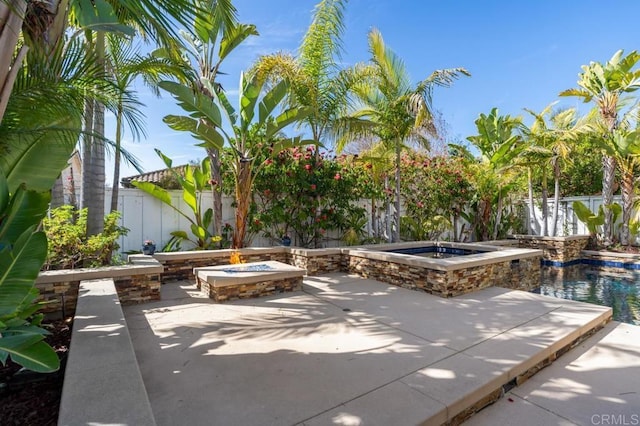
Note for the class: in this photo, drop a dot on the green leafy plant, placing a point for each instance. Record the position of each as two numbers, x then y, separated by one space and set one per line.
434 186
308 195
69 247
22 253
258 121
422 230
193 183
591 220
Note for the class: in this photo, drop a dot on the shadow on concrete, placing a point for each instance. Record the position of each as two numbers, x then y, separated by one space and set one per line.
288 358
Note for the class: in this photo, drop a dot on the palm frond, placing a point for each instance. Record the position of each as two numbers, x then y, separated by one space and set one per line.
393 72
322 44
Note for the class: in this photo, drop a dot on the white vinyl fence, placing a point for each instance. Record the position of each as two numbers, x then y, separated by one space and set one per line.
568 223
149 219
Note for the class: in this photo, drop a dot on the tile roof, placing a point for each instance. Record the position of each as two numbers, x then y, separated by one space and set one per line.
156 176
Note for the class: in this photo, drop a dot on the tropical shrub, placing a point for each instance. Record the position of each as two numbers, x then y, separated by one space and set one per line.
69 246
193 183
433 187
582 175
304 195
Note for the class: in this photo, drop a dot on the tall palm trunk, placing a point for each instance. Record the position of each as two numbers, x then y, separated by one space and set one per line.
116 160
608 181
556 196
86 149
94 176
11 17
374 218
396 231
627 204
216 190
532 208
545 205
57 193
387 213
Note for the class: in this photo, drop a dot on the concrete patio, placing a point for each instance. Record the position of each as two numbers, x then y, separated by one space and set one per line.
351 351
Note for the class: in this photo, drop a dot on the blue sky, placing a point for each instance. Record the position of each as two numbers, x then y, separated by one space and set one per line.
520 54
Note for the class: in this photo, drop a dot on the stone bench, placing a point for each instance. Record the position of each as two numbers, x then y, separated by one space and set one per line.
102 381
246 280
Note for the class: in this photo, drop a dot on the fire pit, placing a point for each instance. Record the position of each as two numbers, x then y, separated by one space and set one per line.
246 280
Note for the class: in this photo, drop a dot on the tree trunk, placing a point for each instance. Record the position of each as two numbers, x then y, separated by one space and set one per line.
387 213
396 231
11 17
243 203
454 221
556 197
483 218
86 151
216 190
627 206
608 181
116 162
374 219
545 206
496 226
94 177
532 208
57 193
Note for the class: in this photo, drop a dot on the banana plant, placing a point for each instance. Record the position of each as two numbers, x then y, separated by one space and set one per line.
22 253
594 221
499 145
258 122
193 183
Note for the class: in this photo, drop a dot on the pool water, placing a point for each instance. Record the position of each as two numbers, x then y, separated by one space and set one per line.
436 252
619 291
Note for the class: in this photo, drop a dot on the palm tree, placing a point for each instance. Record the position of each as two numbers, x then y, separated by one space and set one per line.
124 65
379 161
550 138
391 109
153 19
316 80
624 147
606 84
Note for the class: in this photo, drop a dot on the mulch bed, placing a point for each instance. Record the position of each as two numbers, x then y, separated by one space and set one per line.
28 398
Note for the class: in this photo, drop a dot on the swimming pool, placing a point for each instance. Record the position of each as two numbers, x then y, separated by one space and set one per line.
620 291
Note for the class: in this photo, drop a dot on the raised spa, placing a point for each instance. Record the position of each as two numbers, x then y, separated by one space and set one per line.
470 267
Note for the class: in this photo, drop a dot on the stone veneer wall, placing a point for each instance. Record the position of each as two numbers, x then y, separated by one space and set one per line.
179 267
328 261
524 274
245 291
134 284
556 249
